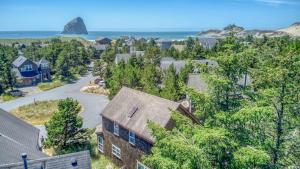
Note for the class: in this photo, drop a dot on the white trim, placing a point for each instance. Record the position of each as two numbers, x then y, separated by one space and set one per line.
142 165
116 129
116 151
27 68
131 137
101 145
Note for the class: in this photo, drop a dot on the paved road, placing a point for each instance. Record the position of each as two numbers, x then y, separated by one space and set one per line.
93 104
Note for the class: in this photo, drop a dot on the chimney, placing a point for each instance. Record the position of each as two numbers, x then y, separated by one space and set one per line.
24 157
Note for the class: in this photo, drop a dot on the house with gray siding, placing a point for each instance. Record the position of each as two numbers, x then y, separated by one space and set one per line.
124 135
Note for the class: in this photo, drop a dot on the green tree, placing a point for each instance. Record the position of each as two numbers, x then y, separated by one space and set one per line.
100 68
65 132
170 84
250 157
7 76
150 78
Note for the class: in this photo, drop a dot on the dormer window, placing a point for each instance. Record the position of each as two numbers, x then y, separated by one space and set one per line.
27 68
44 65
116 129
131 137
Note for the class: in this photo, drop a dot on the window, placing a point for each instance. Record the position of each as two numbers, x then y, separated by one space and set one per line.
141 166
116 151
116 129
101 144
44 65
26 68
131 138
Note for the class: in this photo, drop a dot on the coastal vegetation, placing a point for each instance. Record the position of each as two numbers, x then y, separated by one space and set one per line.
65 132
241 126
37 113
50 85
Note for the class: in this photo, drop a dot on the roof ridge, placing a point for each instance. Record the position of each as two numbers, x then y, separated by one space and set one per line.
150 95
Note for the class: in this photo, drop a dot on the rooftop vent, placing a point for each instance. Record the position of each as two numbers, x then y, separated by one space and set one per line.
24 157
74 162
133 111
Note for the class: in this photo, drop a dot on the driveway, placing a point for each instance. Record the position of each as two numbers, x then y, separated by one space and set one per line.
93 104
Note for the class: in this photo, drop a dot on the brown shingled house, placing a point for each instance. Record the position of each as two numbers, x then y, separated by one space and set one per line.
124 135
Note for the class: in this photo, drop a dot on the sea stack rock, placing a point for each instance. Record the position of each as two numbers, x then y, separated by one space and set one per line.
75 26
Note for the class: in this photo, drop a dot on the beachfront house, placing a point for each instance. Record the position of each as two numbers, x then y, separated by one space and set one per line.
29 72
164 44
124 135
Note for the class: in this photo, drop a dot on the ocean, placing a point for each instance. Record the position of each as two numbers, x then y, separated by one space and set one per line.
96 34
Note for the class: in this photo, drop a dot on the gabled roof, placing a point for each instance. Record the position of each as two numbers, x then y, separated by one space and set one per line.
43 60
19 61
103 40
100 47
132 109
82 159
16 137
124 57
179 64
208 42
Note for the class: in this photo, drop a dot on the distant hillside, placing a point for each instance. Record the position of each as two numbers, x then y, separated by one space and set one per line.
293 30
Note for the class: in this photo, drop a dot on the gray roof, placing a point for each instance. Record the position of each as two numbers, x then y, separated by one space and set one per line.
43 60
19 61
16 137
208 43
82 158
197 82
124 57
208 62
100 47
132 109
179 64
103 40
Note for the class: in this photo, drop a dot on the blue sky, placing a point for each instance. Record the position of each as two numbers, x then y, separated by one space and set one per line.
148 15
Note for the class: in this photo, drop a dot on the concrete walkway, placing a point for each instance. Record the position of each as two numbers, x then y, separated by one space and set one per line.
93 104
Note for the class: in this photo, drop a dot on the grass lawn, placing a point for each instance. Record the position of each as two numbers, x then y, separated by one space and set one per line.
37 113
7 97
95 89
102 162
50 85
